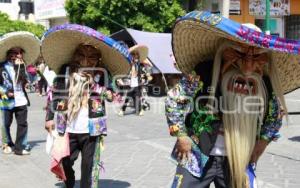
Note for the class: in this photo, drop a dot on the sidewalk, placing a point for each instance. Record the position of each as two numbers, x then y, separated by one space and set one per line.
137 153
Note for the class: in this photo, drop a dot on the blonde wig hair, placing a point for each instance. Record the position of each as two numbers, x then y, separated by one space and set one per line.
241 125
78 94
241 129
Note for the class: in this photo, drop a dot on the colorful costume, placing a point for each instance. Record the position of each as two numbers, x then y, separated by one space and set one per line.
14 99
137 79
221 59
81 125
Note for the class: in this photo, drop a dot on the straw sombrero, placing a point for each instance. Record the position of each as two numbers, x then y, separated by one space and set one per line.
141 49
197 35
60 42
23 39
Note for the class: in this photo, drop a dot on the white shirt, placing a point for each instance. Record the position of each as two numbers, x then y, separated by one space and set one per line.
219 148
134 82
80 125
49 75
19 95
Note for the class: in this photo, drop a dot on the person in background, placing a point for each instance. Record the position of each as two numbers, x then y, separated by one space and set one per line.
139 54
32 76
146 77
42 82
16 49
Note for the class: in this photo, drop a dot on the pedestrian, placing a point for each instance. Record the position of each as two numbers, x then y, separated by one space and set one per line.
146 78
42 82
83 61
139 53
32 76
16 49
229 106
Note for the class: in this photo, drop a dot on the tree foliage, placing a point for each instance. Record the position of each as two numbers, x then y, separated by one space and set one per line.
110 16
8 25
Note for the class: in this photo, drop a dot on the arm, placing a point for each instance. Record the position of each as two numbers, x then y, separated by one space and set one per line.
179 102
49 111
57 98
270 128
273 121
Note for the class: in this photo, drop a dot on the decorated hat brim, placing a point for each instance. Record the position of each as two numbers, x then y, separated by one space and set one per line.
59 44
22 39
197 35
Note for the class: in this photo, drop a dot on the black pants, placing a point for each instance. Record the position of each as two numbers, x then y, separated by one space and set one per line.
86 144
42 85
22 126
135 94
216 170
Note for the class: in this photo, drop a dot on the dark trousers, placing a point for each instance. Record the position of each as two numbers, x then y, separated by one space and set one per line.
42 85
216 170
135 94
86 144
22 126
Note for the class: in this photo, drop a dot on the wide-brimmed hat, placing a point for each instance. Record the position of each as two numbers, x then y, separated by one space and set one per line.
141 49
60 42
22 39
197 36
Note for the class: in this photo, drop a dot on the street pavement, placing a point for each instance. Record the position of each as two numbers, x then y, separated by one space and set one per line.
137 152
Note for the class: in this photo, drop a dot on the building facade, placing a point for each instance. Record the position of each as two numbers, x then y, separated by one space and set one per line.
50 12
284 14
18 9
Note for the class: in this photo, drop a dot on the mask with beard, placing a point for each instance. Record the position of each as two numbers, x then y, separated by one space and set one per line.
85 56
242 105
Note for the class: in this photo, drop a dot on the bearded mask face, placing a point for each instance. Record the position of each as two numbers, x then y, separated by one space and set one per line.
86 56
243 106
248 62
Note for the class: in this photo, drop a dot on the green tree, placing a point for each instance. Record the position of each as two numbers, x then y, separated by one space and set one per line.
109 16
8 25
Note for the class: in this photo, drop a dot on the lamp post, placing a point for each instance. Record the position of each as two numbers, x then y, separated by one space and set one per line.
267 19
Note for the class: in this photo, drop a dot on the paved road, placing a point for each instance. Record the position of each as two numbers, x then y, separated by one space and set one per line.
137 153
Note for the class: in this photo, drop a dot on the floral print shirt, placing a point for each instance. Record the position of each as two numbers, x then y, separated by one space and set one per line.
179 103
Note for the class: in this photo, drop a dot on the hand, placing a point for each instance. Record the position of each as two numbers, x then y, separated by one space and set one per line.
183 148
10 94
109 95
4 97
19 61
49 126
120 82
259 148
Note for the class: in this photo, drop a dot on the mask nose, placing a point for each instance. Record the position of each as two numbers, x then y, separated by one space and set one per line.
84 62
248 67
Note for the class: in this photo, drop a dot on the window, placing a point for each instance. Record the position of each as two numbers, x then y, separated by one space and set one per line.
5 1
292 27
273 26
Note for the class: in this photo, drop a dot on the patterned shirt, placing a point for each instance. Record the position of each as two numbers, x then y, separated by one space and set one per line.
178 104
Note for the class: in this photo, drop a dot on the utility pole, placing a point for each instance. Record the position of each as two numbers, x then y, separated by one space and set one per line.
225 8
267 19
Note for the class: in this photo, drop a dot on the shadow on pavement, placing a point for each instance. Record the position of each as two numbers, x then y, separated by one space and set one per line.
104 183
35 143
295 139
